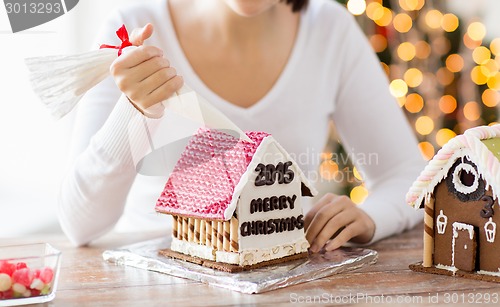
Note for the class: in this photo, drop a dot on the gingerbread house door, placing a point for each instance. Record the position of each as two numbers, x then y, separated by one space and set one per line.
464 247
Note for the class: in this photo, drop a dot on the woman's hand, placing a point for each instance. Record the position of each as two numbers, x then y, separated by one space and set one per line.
143 74
334 220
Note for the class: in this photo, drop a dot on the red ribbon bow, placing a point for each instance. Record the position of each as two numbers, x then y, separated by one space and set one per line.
123 36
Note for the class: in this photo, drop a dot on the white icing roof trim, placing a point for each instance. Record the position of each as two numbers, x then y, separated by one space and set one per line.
461 226
469 144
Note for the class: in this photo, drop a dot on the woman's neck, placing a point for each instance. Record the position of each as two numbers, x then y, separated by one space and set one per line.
217 22
239 58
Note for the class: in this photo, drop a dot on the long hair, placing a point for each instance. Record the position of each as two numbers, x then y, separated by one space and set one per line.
297 5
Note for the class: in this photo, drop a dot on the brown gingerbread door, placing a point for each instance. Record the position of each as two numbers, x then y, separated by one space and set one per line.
464 247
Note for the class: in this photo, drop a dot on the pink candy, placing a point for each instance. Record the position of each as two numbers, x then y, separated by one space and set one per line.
6 267
46 275
23 276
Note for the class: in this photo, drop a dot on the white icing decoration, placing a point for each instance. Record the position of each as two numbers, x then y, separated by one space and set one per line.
193 249
462 226
227 257
462 188
446 267
489 273
247 257
465 246
490 228
442 221
456 227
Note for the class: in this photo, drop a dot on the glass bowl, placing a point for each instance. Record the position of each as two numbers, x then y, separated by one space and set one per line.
28 274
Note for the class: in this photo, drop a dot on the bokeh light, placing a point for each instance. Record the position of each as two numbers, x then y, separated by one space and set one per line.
357 174
328 169
386 68
401 101
358 194
495 46
489 68
414 103
411 5
494 82
470 43
378 42
371 8
413 77
454 62
424 125
490 98
472 111
449 22
481 55
423 50
433 19
444 135
478 76
444 76
398 88
356 7
402 22
476 31
427 150
406 51
385 18
447 104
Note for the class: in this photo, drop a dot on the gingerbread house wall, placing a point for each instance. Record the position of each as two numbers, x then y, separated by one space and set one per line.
218 235
468 212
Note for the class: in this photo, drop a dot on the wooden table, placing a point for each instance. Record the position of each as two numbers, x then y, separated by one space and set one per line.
86 279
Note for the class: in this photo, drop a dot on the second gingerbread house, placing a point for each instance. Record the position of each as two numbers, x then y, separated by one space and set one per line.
459 192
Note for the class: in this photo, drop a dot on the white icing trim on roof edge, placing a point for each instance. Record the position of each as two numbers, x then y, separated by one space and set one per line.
469 144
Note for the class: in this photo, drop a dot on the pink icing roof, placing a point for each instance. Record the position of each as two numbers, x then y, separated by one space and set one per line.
487 163
203 180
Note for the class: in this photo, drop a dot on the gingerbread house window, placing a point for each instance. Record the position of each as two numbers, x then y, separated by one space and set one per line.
464 181
465 178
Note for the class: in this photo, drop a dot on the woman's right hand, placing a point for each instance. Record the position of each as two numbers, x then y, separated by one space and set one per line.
143 74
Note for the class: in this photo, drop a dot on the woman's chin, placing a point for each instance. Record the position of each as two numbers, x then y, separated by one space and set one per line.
251 8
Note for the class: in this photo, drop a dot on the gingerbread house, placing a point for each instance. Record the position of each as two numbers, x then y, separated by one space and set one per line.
459 191
235 202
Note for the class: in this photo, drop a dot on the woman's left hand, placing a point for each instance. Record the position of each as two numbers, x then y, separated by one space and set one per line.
334 220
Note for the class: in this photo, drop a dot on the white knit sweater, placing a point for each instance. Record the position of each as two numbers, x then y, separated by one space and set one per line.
332 73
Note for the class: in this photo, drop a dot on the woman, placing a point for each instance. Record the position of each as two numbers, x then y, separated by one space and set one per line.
284 67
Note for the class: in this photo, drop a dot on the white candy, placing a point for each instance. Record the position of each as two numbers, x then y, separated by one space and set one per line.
37 284
19 288
5 282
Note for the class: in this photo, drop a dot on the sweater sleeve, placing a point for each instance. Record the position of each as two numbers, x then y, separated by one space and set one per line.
94 190
374 131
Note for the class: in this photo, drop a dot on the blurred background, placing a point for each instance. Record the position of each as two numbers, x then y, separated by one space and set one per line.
441 56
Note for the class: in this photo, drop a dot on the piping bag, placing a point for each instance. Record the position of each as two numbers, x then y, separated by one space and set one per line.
61 81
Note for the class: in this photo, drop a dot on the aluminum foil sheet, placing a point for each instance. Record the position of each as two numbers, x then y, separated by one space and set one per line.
144 255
